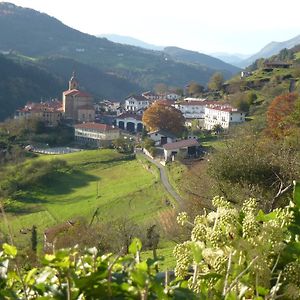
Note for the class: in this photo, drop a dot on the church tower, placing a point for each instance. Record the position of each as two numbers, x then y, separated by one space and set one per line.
73 84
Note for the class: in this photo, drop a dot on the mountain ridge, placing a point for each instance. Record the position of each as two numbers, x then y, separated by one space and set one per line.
128 40
270 49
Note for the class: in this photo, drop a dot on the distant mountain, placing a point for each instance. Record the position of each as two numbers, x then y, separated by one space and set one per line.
23 82
36 34
233 59
127 40
193 57
271 49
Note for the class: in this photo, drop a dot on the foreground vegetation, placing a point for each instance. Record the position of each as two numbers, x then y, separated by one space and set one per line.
232 254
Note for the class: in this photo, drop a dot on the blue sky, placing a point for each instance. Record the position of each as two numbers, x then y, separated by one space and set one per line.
205 26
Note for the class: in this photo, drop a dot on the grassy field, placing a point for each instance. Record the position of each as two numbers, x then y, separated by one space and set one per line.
100 179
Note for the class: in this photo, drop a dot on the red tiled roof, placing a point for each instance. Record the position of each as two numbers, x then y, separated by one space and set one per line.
181 144
48 106
223 107
201 103
137 97
76 92
95 126
130 115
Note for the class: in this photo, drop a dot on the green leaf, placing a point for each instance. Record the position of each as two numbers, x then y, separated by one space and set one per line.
296 194
30 274
262 291
10 250
142 266
261 216
135 246
197 252
50 257
139 277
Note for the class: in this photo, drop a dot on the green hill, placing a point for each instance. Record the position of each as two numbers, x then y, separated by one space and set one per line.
36 34
266 82
21 82
196 58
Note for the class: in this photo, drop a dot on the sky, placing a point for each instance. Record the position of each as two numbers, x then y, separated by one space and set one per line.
208 26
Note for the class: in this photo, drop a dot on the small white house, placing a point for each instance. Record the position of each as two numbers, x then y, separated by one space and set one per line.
186 148
224 115
161 137
136 103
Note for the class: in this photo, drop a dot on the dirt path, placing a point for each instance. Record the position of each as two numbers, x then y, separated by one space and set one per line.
164 178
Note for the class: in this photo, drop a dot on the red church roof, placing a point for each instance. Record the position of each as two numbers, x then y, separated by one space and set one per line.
76 92
95 126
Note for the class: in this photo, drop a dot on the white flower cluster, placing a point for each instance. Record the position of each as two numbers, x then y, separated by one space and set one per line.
233 242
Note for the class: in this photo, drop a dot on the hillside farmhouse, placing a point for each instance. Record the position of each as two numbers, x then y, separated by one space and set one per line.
161 137
185 148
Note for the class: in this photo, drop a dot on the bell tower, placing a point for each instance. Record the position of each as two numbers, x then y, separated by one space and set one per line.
73 84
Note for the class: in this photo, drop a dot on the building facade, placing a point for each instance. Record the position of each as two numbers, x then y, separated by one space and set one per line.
49 112
130 122
77 105
136 103
223 115
95 134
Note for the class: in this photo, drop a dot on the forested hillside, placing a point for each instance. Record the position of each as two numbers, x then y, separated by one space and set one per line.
23 82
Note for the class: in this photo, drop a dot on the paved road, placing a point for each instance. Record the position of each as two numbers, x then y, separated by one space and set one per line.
164 179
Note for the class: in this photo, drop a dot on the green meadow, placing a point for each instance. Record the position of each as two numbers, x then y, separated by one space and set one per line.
113 184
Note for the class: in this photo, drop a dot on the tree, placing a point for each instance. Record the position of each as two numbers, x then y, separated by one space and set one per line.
195 89
279 114
251 97
163 117
123 145
250 165
216 81
217 128
161 88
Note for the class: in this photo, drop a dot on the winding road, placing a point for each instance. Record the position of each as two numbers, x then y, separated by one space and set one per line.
164 178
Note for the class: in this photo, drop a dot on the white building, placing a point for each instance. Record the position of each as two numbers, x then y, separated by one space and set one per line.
130 122
172 96
161 137
95 134
136 103
187 148
222 114
192 110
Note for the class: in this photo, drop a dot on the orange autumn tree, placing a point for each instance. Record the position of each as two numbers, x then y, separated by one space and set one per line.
164 117
281 113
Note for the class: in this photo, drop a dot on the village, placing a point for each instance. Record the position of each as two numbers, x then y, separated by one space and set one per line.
98 124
